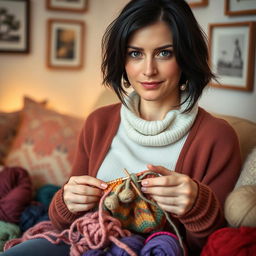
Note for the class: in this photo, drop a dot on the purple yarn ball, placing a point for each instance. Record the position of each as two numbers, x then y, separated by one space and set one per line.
96 252
162 245
135 242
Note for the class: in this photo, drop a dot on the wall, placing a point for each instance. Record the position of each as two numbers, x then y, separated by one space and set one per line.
78 92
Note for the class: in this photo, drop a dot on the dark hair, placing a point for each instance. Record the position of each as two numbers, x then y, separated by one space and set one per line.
189 44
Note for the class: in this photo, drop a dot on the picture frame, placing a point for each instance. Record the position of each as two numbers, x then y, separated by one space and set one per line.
67 5
65 40
232 54
197 3
238 7
14 26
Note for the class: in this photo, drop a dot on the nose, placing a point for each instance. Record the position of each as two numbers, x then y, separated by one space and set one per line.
150 67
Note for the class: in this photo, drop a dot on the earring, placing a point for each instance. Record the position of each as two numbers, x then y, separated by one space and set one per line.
124 82
184 87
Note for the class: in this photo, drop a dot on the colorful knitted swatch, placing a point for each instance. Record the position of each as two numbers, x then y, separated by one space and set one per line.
133 211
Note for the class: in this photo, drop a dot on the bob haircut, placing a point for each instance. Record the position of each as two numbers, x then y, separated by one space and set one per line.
189 44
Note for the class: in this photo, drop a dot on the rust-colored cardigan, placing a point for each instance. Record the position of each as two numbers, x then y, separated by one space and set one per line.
210 156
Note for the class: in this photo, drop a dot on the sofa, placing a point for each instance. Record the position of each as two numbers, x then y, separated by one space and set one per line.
42 141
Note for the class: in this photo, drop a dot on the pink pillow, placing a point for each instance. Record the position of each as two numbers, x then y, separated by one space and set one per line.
45 145
9 124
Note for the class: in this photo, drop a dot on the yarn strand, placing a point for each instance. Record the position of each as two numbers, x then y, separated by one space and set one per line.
94 230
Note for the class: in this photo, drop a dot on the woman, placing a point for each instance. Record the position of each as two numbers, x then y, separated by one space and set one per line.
157 48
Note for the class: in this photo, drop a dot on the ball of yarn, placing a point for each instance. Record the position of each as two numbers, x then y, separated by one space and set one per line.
162 245
111 202
231 241
33 214
96 252
8 231
240 206
45 194
126 196
135 242
15 193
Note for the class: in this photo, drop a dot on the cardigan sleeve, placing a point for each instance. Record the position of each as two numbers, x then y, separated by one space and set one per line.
212 158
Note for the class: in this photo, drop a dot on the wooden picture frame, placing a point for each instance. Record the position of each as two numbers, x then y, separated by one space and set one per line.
65 40
197 3
14 26
236 7
67 5
232 53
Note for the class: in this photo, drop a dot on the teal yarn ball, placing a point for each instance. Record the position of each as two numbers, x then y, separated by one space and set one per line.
45 194
8 231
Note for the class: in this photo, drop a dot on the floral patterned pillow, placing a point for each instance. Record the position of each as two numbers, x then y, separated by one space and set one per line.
45 145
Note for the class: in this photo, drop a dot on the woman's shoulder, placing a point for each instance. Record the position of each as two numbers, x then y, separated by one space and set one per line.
213 126
105 112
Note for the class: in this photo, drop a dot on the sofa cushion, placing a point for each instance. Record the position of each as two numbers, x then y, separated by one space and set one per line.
9 124
8 127
246 132
45 145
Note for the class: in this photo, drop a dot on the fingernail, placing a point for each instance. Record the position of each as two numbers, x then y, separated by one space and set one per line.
143 189
144 182
103 185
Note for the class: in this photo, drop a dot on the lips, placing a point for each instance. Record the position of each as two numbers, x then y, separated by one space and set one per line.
151 85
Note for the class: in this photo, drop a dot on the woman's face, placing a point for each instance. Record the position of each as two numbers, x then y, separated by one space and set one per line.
151 66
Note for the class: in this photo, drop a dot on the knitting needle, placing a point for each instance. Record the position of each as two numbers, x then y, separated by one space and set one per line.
134 186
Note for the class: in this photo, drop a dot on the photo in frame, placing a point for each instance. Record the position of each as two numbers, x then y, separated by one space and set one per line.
14 26
238 7
67 5
65 44
232 53
197 3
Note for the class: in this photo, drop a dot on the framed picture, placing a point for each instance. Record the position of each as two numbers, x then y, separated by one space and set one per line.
14 26
65 44
67 5
240 7
232 51
197 3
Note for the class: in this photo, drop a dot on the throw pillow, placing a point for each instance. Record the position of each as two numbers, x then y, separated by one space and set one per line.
9 124
45 145
248 173
8 127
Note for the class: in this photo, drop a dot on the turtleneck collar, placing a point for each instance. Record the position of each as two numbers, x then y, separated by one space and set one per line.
156 133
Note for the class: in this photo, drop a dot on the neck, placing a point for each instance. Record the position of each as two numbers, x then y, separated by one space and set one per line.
153 111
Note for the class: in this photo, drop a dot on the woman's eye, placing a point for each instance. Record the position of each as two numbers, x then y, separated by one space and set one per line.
134 54
165 53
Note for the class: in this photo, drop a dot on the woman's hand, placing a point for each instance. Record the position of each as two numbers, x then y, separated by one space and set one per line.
173 192
82 193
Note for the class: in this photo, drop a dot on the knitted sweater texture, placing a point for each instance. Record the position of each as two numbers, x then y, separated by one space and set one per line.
210 156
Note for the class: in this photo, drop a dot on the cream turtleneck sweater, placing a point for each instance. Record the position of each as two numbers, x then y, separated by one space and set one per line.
139 142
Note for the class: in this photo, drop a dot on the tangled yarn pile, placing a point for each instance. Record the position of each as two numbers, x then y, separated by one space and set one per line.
91 231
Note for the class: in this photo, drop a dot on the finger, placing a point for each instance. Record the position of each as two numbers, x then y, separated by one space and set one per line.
79 199
158 169
179 211
160 191
174 201
88 180
86 190
162 181
75 208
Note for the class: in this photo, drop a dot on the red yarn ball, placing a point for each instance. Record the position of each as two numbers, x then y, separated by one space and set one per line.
232 242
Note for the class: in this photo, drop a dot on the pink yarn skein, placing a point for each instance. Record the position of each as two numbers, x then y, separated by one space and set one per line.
94 230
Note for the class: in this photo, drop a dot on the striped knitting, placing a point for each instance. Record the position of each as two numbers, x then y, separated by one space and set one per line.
139 215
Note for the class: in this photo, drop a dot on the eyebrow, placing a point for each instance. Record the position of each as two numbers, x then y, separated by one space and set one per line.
158 48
